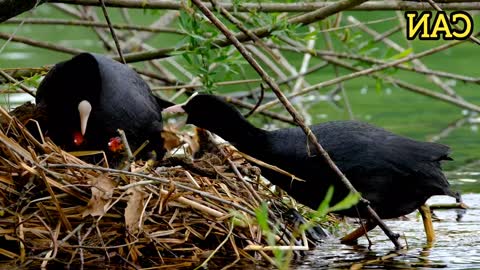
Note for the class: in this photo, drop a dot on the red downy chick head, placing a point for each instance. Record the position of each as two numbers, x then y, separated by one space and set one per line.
115 144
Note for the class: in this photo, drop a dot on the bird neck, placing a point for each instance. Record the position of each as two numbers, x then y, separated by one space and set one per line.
240 133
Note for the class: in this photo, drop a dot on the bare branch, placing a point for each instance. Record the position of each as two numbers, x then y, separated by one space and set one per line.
277 7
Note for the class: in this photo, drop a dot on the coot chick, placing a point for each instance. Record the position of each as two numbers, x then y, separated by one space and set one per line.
89 97
396 174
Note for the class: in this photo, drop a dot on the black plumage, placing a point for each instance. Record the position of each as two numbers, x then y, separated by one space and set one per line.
396 174
118 97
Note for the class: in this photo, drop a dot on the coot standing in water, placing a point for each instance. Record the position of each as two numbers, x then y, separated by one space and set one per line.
87 98
394 173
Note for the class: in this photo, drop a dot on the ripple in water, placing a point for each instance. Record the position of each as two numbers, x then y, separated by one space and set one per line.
457 245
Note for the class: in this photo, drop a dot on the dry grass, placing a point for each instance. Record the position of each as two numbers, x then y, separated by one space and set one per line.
57 209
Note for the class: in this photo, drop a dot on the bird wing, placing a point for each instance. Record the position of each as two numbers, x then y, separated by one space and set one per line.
357 146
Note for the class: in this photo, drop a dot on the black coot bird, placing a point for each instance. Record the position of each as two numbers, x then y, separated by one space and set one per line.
87 98
396 174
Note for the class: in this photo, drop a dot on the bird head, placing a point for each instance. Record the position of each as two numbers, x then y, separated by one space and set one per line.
116 145
68 93
210 112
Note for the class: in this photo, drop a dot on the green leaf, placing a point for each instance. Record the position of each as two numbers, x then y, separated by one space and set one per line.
187 58
378 85
349 201
220 58
261 214
403 54
323 208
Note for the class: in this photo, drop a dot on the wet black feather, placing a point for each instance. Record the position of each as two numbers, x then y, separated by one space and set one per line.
396 174
119 97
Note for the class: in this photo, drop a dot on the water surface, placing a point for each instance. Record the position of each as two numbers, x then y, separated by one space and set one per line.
457 245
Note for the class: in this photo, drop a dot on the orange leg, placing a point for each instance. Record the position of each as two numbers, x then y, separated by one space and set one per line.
427 223
353 236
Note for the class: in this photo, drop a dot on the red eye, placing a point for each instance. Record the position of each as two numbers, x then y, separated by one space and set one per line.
78 138
115 144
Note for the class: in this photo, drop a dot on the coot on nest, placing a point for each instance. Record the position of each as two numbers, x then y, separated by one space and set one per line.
396 174
89 97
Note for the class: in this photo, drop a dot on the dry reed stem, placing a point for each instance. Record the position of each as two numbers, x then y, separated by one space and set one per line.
47 221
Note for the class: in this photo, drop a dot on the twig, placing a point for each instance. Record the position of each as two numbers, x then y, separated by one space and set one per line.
140 38
438 8
112 31
291 78
382 67
63 217
318 53
160 180
272 115
416 62
21 73
44 21
417 89
346 102
224 83
270 167
16 29
388 33
240 26
451 127
90 14
344 4
459 205
259 101
68 10
14 81
196 205
128 150
301 81
251 191
260 32
40 44
156 76
204 263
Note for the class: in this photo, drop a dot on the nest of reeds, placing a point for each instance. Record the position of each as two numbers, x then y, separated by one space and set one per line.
57 209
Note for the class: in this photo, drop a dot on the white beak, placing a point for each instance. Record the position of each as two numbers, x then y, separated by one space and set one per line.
179 107
84 108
